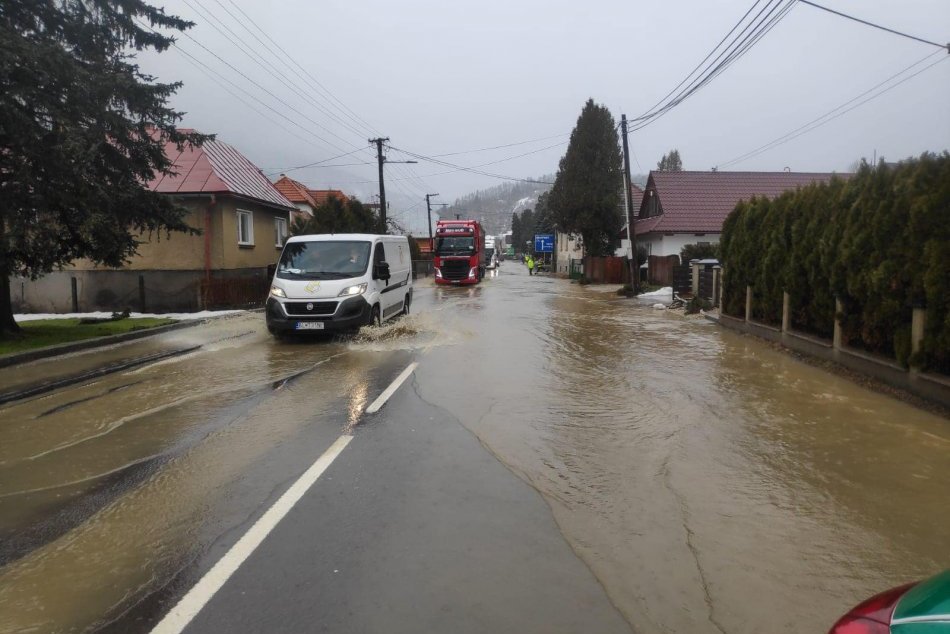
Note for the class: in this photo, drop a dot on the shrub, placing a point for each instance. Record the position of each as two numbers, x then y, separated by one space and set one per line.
879 242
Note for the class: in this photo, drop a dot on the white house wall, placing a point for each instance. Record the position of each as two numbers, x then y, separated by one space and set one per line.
658 244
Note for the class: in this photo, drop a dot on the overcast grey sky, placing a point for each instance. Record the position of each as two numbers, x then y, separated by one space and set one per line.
446 77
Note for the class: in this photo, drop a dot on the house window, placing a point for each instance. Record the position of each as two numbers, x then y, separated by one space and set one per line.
245 227
280 232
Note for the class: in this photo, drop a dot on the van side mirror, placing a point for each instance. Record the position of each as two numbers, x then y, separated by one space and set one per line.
382 271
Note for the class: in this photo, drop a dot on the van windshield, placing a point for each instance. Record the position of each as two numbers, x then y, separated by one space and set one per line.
323 260
455 245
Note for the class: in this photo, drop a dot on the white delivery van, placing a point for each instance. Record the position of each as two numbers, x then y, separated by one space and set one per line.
340 281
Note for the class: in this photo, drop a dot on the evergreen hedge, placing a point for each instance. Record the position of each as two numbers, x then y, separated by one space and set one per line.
879 242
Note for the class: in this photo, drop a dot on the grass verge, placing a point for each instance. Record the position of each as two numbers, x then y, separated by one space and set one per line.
50 332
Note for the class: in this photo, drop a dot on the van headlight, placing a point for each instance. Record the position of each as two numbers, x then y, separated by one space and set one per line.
359 289
277 291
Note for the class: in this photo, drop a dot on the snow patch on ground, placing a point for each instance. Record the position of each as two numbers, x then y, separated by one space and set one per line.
203 314
666 291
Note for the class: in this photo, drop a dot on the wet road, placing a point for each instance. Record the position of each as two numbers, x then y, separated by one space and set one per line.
694 480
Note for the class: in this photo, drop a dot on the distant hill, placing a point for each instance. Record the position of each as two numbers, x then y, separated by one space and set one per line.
494 206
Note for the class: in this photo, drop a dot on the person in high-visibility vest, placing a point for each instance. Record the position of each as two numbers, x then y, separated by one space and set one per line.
530 263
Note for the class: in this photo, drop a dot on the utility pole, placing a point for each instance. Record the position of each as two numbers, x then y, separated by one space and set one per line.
382 187
631 235
429 212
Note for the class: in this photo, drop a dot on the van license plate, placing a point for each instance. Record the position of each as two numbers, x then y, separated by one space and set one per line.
309 325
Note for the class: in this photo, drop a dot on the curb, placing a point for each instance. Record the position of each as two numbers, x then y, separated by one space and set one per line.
43 388
16 358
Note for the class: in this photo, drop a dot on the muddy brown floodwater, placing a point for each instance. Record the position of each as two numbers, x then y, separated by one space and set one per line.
711 483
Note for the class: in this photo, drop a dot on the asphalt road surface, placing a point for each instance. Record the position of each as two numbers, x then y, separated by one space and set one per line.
556 459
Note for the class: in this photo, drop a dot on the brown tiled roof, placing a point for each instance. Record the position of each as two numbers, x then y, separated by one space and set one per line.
321 196
216 168
295 191
636 194
699 202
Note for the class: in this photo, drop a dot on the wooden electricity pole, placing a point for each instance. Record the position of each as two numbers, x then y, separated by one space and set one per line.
631 234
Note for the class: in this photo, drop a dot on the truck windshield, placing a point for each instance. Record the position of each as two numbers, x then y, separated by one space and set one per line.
455 245
323 260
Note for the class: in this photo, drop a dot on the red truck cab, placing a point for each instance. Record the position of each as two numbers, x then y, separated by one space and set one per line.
458 252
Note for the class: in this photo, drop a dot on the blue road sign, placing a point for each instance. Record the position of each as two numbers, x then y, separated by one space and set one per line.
544 243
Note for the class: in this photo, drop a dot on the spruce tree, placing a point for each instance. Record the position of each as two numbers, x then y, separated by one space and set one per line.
81 130
587 191
670 162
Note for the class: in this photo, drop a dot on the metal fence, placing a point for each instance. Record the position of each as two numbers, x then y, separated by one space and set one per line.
576 269
421 268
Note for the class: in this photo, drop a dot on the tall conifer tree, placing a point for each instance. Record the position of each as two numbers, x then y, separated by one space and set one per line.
587 192
81 130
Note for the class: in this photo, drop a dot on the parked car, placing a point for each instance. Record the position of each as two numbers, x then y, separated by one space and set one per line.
915 608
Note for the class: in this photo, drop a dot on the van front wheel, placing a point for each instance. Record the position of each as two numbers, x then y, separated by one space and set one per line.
374 318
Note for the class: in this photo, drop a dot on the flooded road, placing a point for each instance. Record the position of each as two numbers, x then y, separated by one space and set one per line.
709 482
712 483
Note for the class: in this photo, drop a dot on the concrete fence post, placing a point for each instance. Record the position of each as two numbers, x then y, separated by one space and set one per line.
722 274
75 292
786 312
917 325
748 303
694 267
142 293
717 286
839 310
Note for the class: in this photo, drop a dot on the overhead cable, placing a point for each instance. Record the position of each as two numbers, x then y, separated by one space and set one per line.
946 47
834 113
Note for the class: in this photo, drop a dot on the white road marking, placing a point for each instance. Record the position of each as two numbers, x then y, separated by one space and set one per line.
192 603
389 391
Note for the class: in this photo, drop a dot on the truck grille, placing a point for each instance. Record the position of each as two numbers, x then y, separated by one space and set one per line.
310 308
455 269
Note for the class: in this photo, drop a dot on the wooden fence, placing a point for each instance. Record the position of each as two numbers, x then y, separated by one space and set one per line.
660 269
607 270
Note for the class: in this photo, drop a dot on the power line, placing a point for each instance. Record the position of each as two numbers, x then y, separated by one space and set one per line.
259 86
760 26
705 59
327 94
342 106
223 81
215 73
499 147
309 79
827 117
268 67
876 26
311 96
474 169
315 163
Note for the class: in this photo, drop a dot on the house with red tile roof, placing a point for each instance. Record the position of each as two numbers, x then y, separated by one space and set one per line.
680 208
306 200
243 220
